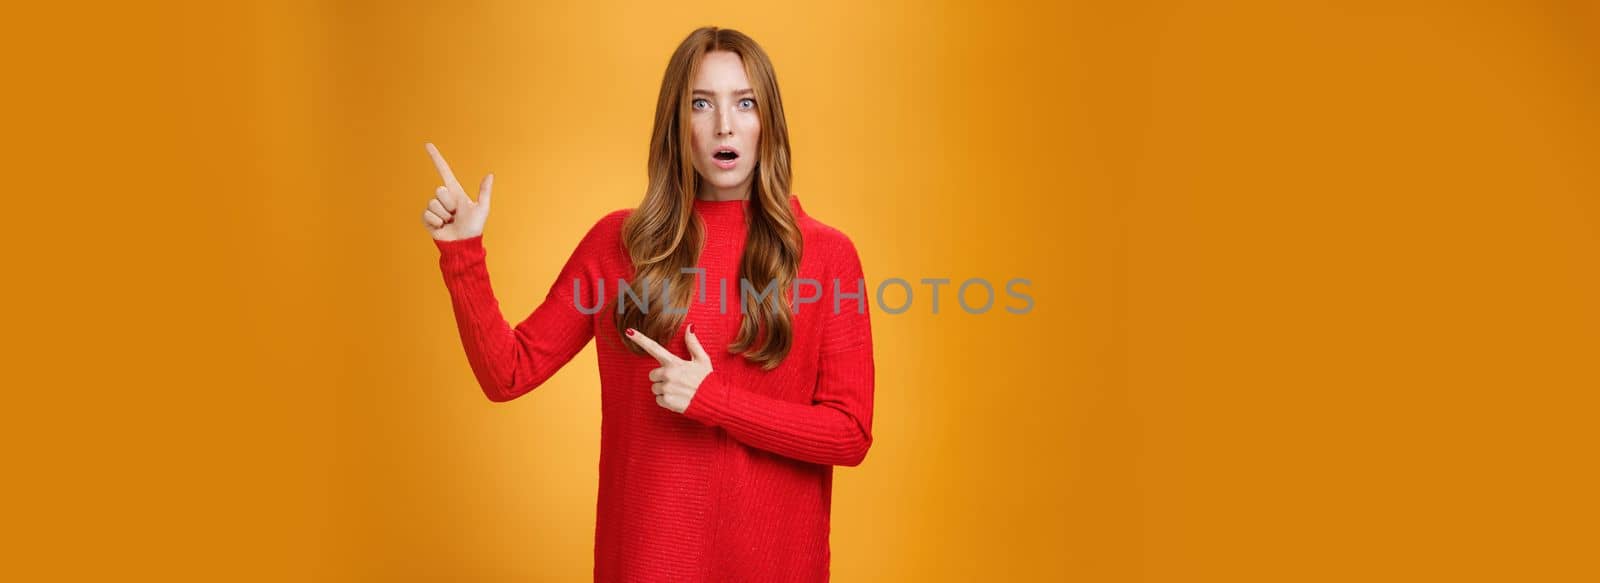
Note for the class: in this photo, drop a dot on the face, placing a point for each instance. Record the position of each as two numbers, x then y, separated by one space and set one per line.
725 125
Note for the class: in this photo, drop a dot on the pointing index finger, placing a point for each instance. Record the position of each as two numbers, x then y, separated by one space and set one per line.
650 346
443 167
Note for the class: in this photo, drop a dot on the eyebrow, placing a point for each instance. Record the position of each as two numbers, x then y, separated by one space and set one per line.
746 91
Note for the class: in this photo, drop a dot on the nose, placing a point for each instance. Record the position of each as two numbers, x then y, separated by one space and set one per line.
724 123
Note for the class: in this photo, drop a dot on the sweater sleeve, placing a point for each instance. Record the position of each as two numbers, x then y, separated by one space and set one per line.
836 427
510 361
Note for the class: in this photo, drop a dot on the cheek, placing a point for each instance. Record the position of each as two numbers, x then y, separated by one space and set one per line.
752 130
699 135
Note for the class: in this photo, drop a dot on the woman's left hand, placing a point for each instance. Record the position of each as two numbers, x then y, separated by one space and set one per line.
675 383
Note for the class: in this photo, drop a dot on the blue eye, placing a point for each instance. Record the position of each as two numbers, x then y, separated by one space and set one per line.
743 103
698 101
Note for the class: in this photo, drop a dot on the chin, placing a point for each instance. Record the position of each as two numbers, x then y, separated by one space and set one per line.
728 179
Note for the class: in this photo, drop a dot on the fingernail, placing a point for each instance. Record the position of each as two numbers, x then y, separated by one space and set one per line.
691 328
630 331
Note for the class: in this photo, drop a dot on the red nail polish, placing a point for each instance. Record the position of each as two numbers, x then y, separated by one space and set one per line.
691 328
630 331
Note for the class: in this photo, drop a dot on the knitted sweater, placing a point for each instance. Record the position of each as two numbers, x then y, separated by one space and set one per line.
738 486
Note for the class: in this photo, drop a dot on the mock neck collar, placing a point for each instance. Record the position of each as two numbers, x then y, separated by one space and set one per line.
730 209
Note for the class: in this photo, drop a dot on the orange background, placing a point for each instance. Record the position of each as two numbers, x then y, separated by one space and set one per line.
1315 284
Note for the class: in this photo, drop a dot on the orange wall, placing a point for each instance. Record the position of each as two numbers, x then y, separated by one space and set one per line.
1315 284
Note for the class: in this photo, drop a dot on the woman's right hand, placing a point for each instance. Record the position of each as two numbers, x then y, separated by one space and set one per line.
451 214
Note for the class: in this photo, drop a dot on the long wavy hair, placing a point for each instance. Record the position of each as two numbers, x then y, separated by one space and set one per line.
663 236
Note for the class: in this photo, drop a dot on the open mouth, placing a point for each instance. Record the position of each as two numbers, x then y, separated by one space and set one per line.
726 154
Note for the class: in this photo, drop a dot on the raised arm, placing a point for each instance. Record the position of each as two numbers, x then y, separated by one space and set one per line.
507 361
510 361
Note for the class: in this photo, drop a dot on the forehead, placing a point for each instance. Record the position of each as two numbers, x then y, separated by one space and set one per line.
721 71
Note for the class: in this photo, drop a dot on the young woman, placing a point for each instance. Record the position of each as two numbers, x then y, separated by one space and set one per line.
723 409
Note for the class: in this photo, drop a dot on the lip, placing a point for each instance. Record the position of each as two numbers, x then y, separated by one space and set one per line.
726 164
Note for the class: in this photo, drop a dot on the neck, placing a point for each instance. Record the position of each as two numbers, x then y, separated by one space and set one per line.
714 194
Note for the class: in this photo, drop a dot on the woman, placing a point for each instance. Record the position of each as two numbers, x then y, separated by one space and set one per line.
723 411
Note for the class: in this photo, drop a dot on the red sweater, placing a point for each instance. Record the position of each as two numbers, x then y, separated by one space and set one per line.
738 487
